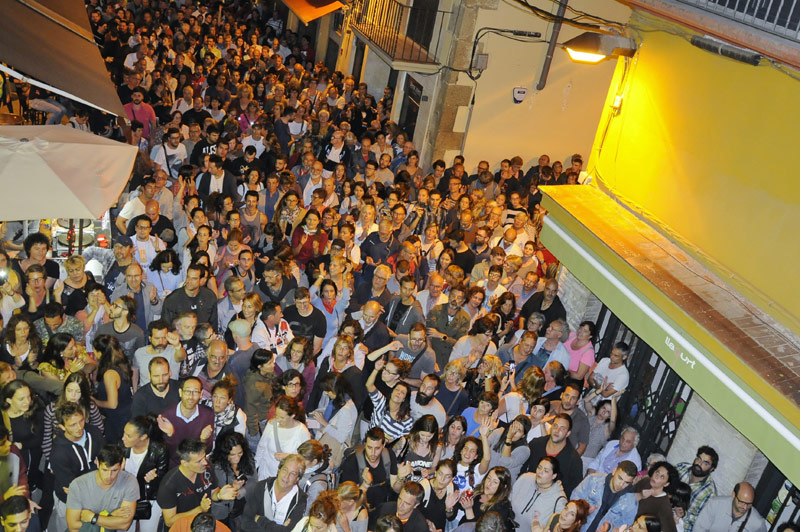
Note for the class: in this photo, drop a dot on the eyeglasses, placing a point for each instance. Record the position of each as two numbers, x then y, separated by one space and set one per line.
740 501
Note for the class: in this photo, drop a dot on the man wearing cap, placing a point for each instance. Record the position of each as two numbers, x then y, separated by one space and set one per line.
114 261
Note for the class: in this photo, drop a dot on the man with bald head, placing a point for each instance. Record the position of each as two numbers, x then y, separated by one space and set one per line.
731 514
161 226
433 295
376 333
547 302
215 368
508 242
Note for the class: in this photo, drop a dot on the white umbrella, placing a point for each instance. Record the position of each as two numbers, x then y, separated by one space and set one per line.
60 172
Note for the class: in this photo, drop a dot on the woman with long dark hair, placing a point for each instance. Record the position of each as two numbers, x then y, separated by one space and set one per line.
298 355
472 462
165 272
492 495
22 416
336 415
62 356
259 382
394 415
146 459
114 392
233 465
453 433
21 346
510 445
77 389
570 519
420 449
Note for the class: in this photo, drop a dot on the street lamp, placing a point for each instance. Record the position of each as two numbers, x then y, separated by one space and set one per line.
592 48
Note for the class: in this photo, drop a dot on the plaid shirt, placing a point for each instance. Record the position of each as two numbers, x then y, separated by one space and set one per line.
701 492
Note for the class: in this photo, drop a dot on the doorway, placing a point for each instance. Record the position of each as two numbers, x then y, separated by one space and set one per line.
412 96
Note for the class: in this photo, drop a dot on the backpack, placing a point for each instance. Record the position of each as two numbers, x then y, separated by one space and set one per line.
428 489
358 450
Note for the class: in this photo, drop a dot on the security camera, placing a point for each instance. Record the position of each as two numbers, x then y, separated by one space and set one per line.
519 94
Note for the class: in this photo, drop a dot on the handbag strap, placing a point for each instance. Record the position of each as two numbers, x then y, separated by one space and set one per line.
277 439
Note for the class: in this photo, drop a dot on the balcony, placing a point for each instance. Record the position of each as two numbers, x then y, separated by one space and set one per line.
409 36
778 17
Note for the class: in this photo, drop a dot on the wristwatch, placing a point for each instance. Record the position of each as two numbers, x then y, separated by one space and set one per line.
94 519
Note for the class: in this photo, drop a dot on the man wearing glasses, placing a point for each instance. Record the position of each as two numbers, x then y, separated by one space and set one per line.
698 475
171 154
731 514
187 419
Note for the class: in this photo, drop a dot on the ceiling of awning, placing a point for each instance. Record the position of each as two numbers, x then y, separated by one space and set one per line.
51 41
309 10
690 317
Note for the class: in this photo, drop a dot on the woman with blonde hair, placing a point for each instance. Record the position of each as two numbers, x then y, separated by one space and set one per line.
353 516
74 296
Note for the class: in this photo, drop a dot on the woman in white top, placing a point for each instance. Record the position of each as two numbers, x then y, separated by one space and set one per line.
282 436
477 343
335 416
366 223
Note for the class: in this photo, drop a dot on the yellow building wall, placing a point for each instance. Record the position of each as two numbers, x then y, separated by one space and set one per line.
561 119
705 147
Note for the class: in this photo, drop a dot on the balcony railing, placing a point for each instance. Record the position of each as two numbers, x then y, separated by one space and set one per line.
404 33
779 17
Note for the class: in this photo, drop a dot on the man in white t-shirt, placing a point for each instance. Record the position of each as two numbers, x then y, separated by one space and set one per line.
146 246
610 375
171 154
256 139
136 206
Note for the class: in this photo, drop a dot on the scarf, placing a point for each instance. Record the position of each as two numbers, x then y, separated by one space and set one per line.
224 418
289 215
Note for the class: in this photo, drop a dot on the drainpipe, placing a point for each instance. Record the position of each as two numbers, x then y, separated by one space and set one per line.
551 46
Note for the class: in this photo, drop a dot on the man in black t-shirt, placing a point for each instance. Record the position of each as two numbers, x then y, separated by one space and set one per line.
191 487
373 467
306 320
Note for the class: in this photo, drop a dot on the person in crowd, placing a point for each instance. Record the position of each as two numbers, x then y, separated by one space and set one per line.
188 488
697 474
187 419
74 451
114 393
579 433
406 508
148 461
571 519
281 436
653 492
160 391
556 445
610 495
538 494
617 451
737 509
285 501
105 497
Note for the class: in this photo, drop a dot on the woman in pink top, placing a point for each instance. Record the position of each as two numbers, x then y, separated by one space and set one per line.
580 346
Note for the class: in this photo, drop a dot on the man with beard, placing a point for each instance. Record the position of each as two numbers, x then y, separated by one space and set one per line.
187 419
557 446
416 352
159 393
547 302
611 498
579 435
423 401
130 335
163 343
698 475
447 323
738 508
114 268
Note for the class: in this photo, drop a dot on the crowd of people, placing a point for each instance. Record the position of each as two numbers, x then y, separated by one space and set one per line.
299 327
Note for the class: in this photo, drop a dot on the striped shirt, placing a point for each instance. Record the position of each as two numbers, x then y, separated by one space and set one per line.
383 419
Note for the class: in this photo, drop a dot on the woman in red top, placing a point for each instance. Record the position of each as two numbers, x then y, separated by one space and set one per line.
308 240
